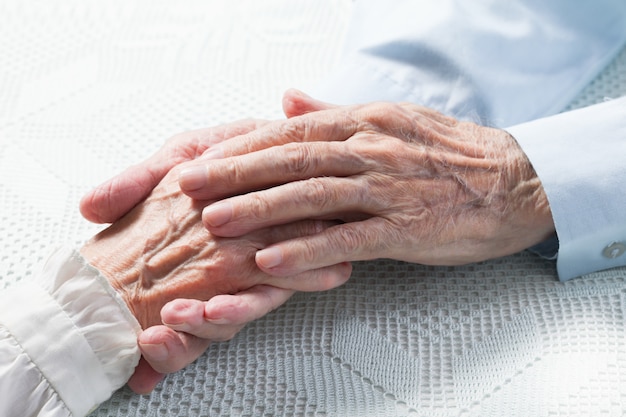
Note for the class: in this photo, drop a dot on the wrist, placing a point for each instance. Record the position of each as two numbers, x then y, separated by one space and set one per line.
531 209
114 261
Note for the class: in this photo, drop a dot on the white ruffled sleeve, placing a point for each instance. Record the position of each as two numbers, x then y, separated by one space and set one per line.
67 341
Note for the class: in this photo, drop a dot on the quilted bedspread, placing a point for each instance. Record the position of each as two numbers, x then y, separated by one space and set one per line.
89 87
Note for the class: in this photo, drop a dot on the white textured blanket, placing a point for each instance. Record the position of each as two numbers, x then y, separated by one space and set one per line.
89 87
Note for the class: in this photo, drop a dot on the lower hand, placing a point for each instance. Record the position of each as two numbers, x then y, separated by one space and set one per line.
190 326
160 252
117 196
165 350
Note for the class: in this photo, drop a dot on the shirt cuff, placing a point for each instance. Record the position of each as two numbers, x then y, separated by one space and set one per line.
75 329
580 158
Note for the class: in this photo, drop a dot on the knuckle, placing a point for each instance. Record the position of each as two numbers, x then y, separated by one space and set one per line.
183 146
325 281
380 108
347 240
283 132
329 279
258 208
307 253
378 114
310 227
231 172
350 239
318 226
300 159
178 138
319 193
325 278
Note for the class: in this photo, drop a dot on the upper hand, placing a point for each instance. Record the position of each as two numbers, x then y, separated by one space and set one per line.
409 184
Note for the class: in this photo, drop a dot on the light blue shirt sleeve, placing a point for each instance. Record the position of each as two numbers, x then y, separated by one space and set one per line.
503 63
492 61
580 157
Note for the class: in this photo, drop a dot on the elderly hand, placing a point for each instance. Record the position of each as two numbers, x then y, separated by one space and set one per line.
160 252
117 196
408 183
114 198
191 325
165 350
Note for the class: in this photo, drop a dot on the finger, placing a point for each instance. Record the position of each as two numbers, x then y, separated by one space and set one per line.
145 378
115 197
296 103
355 241
320 279
223 316
277 165
169 351
325 197
313 279
322 126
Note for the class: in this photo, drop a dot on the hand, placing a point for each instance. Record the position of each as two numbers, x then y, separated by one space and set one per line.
409 184
159 252
193 325
115 197
165 350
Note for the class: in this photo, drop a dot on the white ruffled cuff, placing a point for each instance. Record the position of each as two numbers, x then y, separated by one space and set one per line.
76 330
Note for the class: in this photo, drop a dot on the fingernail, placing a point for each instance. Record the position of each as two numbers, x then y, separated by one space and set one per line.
157 351
269 258
217 214
193 178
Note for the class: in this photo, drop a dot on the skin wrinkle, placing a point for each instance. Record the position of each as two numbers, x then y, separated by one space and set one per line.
495 197
162 255
302 162
165 254
472 197
261 208
476 198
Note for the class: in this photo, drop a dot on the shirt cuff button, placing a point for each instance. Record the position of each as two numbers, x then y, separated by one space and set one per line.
614 250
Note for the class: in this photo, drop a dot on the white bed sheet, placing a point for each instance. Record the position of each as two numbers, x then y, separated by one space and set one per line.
89 87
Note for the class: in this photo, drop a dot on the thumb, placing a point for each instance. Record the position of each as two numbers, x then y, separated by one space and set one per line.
117 196
167 350
297 103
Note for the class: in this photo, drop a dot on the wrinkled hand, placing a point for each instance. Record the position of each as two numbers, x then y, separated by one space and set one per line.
192 325
408 182
165 350
160 252
117 196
